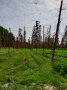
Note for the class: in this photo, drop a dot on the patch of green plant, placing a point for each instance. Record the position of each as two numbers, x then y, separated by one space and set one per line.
37 59
27 81
61 68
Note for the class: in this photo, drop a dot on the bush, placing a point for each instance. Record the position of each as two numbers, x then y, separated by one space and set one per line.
55 82
24 67
64 70
1 60
27 81
61 67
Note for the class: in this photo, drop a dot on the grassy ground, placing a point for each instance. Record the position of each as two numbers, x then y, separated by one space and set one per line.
24 69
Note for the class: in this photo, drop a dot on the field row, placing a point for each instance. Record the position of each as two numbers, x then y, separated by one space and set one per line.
32 71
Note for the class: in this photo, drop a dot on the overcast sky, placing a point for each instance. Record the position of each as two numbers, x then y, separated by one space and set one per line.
15 14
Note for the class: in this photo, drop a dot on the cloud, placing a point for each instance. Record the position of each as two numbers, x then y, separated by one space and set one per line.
17 13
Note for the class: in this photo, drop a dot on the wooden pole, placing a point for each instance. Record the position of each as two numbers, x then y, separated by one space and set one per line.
43 40
57 30
9 41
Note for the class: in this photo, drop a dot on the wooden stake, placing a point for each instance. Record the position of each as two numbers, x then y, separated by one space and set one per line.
43 40
57 30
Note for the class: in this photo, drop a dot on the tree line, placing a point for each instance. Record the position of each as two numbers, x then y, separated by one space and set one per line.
7 39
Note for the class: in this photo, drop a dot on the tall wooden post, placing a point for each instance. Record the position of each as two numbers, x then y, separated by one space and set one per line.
43 40
57 30
9 40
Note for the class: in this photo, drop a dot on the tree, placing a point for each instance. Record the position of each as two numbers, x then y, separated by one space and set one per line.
4 36
6 39
32 42
36 35
17 42
64 39
65 35
0 42
9 40
14 44
29 45
49 36
19 37
62 43
21 41
24 37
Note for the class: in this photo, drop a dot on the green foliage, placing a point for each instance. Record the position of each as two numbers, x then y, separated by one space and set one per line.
55 82
3 32
61 67
37 59
27 81
22 68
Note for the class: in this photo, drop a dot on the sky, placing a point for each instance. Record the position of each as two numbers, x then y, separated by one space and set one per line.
16 14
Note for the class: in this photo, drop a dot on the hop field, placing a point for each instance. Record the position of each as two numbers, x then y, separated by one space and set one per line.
24 69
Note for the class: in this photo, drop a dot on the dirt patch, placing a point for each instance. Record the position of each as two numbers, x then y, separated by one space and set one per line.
6 84
33 84
25 86
49 87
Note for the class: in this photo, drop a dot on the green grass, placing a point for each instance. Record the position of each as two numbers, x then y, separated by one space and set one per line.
24 67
